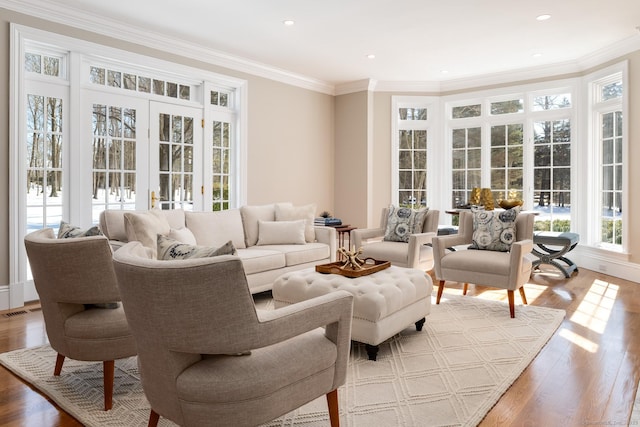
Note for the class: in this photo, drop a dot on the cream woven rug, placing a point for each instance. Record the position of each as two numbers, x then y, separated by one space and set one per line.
450 374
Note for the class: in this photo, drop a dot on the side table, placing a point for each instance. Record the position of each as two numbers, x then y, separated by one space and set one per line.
344 231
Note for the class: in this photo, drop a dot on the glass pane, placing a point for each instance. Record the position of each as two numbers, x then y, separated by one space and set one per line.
35 150
474 157
562 155
214 98
35 112
165 127
458 160
144 84
129 187
607 151
618 177
466 111
420 142
551 102
405 179
32 63
458 138
99 155
515 178
542 132
172 90
35 190
515 134
97 75
406 139
458 178
164 153
498 157
129 81
562 179
474 136
185 92
607 125
561 131
618 150
54 115
225 161
115 121
542 156
498 135
188 159
217 160
177 129
419 180
420 160
473 179
129 155
114 78
176 164
224 100
188 130
54 151
129 117
158 87
226 135
507 107
115 150
542 179
405 160
51 66
515 157
611 91
607 178
498 178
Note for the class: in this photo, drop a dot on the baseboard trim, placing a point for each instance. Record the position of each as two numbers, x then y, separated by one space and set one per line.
606 262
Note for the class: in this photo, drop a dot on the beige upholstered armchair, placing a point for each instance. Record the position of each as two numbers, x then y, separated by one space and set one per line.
206 356
508 270
72 276
416 253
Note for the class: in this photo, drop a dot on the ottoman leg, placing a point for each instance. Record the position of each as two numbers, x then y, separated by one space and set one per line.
372 351
420 324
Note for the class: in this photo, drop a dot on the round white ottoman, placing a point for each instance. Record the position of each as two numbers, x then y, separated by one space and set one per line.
384 303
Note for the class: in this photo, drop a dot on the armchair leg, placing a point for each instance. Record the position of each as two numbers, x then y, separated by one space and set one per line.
334 413
108 368
440 289
59 362
523 296
465 288
512 307
154 417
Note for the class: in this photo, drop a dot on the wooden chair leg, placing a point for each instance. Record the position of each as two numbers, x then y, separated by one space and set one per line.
523 296
465 288
108 372
512 307
334 413
440 289
59 362
154 417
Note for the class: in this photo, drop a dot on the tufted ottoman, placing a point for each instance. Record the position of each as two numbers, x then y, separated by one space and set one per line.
384 303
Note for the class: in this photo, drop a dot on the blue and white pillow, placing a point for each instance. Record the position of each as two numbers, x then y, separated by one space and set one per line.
403 222
68 231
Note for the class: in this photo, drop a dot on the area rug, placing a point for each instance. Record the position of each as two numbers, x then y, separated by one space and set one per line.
449 374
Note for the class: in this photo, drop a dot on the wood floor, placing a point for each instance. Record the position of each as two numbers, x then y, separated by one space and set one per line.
586 375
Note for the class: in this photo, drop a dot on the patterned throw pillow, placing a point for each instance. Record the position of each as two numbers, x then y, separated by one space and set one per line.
68 231
169 249
403 222
494 230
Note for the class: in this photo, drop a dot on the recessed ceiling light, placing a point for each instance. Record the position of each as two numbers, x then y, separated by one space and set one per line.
444 71
543 17
371 56
288 22
537 55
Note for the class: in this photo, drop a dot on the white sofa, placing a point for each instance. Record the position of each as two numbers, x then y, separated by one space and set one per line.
257 232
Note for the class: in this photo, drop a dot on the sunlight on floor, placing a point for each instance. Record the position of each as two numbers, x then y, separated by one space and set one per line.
593 313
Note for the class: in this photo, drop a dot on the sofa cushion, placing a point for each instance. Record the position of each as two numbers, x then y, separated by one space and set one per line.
288 212
144 227
169 249
67 231
257 259
281 232
395 252
250 217
403 222
301 254
216 228
113 226
183 235
494 230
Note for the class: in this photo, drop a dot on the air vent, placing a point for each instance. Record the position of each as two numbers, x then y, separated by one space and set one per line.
15 313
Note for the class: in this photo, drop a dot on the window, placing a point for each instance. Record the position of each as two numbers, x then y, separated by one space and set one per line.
412 137
608 142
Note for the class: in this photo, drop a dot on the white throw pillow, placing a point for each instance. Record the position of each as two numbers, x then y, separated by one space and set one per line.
250 217
183 235
287 212
144 227
281 232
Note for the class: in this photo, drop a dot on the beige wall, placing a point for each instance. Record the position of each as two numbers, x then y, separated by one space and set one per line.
290 133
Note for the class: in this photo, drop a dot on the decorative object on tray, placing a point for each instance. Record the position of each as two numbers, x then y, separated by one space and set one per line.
511 201
486 199
352 266
474 197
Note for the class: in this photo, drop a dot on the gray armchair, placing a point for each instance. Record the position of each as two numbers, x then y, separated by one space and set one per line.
72 276
507 270
207 356
417 253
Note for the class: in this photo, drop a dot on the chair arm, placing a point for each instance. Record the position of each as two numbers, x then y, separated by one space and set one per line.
440 244
413 251
517 253
327 235
358 236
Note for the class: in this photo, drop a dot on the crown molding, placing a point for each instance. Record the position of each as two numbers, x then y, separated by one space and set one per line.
117 30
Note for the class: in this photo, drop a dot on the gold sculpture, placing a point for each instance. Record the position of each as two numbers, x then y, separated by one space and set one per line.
474 198
486 199
352 259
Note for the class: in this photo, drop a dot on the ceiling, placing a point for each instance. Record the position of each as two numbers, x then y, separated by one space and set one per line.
412 40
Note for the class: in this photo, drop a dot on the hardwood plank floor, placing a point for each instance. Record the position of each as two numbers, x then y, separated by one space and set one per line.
587 374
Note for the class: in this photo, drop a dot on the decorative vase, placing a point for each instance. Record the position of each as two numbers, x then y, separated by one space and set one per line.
474 197
486 199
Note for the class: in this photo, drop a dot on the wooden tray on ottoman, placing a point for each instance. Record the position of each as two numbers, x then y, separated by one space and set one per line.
370 266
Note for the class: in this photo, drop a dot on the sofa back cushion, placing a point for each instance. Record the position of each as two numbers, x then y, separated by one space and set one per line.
216 228
288 212
144 227
112 221
251 215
